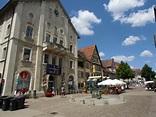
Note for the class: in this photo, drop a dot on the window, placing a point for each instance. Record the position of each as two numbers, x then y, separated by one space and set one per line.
54 40
95 52
61 61
55 29
95 59
61 42
48 25
56 12
54 60
46 58
29 32
4 53
61 31
31 16
80 74
97 68
47 37
71 65
71 48
80 85
27 54
87 74
8 30
87 65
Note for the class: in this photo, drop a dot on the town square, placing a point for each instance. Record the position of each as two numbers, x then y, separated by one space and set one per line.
62 58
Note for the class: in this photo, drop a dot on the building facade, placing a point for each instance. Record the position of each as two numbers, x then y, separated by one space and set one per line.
91 66
39 46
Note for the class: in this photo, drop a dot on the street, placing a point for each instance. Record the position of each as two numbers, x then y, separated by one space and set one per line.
139 103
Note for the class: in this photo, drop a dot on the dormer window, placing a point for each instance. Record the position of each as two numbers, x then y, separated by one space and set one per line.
56 12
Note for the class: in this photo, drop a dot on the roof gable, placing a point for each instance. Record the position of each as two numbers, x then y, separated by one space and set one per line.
107 63
90 51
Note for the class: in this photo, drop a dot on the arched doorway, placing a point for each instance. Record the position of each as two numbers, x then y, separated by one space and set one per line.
23 81
71 84
50 82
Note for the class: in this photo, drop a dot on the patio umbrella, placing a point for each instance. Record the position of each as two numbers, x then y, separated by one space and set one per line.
118 82
107 82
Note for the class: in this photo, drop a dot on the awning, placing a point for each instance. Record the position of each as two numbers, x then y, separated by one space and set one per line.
93 78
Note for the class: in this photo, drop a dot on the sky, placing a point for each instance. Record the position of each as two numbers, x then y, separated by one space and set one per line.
121 29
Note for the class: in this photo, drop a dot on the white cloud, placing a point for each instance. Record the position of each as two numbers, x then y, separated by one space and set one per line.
119 7
139 18
146 53
131 40
123 58
101 54
84 21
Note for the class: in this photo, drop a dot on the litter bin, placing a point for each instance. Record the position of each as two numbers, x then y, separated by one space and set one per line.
13 104
1 100
34 94
6 103
20 102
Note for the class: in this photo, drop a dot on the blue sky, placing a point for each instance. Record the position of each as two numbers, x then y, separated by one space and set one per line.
121 29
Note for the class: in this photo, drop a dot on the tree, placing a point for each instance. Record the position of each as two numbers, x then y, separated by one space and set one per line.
124 71
147 72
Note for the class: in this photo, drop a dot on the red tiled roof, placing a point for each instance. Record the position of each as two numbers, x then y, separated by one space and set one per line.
88 51
137 70
107 63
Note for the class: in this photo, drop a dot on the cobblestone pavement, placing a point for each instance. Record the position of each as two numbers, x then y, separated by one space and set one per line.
139 103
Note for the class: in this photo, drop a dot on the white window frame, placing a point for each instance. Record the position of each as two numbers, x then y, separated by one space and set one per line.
4 53
56 40
44 58
30 33
71 66
71 49
49 38
29 54
8 30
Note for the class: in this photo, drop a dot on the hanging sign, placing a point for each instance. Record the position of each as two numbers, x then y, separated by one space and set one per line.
23 74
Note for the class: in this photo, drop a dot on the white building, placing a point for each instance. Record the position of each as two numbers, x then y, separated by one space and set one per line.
37 43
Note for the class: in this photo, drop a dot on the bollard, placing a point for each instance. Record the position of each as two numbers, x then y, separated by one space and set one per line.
34 94
82 101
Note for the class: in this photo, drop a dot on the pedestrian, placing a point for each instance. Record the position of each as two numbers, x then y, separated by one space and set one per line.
53 91
62 91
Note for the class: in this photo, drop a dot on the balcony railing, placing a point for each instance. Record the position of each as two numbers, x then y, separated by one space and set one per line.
55 48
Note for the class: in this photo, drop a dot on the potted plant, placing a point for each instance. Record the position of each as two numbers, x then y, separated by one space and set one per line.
48 93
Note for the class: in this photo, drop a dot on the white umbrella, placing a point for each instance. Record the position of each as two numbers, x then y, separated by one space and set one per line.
107 82
149 82
118 82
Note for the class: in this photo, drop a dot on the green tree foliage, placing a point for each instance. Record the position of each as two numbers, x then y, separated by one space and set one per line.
124 71
147 72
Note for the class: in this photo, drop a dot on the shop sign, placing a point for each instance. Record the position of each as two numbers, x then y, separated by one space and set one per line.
53 69
23 74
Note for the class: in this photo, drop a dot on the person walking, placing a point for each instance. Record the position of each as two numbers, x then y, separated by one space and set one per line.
62 92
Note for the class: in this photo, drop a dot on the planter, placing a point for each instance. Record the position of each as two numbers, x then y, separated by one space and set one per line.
48 94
